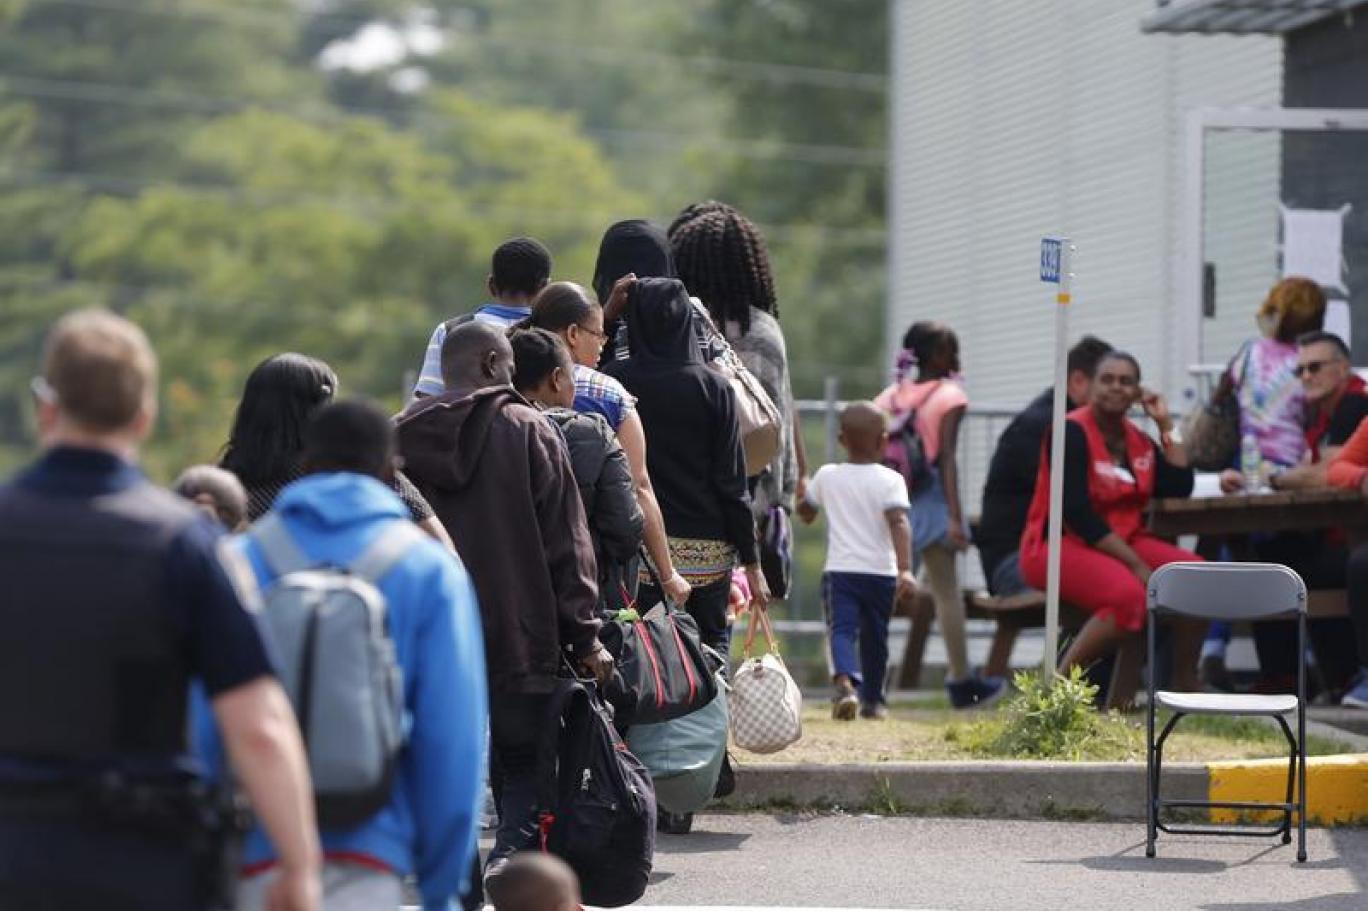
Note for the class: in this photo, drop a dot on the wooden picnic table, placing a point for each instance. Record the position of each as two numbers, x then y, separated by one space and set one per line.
1291 510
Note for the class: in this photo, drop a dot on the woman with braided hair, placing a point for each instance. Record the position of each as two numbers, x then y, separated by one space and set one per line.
722 259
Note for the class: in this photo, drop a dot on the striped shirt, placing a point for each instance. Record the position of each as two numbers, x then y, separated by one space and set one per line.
430 376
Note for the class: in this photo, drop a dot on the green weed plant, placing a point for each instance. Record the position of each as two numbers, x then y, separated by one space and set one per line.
1044 721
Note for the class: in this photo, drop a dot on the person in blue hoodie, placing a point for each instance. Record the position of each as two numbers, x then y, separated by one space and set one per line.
429 828
519 270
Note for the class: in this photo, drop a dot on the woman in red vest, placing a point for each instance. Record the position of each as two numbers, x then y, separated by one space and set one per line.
1111 471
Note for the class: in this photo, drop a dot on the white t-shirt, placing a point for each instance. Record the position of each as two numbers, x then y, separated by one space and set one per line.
855 498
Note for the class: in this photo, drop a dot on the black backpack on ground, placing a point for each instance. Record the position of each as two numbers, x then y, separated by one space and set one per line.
598 807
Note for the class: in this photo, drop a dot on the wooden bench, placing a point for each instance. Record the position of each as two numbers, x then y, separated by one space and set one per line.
1012 614
1027 611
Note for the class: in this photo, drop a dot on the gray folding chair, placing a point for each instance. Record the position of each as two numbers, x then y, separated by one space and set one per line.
1230 592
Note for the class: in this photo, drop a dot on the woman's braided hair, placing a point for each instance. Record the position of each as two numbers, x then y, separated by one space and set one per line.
722 259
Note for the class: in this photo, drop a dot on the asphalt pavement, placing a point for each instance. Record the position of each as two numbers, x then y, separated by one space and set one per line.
809 861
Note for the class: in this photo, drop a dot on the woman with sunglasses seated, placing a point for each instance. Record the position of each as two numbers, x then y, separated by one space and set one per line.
1111 472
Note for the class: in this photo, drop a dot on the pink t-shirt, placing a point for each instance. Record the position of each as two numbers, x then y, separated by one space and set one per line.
932 405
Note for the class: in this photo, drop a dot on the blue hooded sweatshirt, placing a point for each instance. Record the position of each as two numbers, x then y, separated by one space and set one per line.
430 826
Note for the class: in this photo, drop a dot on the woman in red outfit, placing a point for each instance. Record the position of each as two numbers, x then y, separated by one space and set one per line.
1111 471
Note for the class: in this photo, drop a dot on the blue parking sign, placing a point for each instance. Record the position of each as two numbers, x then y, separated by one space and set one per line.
1051 252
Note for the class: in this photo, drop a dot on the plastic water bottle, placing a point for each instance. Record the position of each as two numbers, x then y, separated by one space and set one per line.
1251 463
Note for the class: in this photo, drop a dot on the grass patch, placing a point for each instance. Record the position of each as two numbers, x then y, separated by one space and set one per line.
1026 726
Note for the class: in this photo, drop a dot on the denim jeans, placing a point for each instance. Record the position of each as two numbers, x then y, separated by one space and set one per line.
858 607
517 724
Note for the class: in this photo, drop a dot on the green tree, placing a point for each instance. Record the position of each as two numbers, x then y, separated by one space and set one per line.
346 241
828 94
96 99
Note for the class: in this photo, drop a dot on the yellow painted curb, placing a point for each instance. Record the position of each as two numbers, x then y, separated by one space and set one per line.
1336 787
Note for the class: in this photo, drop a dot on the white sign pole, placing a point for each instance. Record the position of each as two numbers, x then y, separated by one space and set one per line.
1056 266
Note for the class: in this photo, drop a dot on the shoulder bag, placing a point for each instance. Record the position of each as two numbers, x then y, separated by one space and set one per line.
1211 432
756 414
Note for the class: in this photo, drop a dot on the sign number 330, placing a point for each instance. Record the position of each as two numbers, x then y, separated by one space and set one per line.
1051 252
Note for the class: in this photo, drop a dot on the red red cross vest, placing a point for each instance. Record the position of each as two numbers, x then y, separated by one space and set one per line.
1118 496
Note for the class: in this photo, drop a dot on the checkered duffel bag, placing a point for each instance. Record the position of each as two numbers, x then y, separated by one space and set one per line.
765 702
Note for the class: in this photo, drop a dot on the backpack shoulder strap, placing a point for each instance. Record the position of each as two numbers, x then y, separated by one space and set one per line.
387 549
282 555
564 701
458 321
929 395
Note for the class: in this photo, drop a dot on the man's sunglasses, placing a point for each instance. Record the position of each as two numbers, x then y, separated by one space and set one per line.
1310 368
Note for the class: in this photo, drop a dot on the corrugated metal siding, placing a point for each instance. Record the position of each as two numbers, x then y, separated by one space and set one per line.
1013 120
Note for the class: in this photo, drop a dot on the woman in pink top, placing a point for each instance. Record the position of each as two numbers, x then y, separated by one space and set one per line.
929 362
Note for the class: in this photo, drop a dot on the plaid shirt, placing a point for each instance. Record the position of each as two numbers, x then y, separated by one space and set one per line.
599 393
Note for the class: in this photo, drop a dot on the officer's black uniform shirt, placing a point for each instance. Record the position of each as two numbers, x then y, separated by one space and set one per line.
223 641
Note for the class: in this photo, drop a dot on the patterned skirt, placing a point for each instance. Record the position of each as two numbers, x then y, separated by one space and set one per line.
699 560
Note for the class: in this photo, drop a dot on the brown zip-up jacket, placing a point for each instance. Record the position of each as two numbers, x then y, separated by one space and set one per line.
499 478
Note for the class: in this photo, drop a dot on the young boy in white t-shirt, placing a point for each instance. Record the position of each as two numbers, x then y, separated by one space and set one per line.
869 559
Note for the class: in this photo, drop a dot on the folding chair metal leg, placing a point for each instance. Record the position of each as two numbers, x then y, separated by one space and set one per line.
1301 737
1156 777
1151 782
1151 792
1291 777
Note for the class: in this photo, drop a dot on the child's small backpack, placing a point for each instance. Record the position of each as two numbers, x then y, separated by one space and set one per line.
330 629
597 804
905 452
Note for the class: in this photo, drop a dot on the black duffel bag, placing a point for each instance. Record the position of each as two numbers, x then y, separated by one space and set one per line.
662 672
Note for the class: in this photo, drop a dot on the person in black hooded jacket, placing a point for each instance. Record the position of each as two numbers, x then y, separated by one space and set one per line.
544 375
636 248
695 457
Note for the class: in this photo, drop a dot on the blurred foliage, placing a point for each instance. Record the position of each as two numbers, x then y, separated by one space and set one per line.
190 164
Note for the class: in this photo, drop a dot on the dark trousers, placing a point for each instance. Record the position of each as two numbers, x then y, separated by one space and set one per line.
517 724
60 866
1358 601
1321 566
858 607
707 604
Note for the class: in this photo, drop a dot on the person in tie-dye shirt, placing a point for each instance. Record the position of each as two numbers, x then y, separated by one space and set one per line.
1261 375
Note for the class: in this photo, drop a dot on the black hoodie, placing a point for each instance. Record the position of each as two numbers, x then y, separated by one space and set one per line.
498 475
634 246
693 441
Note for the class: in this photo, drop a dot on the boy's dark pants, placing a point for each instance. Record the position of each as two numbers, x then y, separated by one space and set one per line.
858 606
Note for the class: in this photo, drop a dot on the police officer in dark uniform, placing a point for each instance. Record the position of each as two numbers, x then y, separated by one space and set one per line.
115 597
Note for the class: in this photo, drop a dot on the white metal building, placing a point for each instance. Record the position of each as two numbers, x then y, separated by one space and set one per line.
1015 119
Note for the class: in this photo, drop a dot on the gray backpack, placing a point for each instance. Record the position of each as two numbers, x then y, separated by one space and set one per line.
330 629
